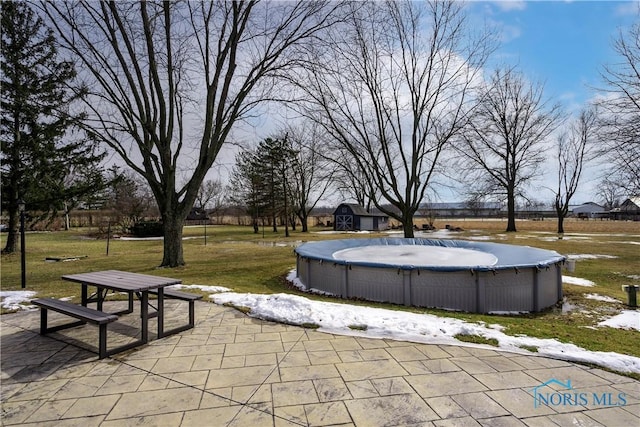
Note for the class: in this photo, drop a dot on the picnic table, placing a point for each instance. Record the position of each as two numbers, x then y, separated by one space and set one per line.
134 284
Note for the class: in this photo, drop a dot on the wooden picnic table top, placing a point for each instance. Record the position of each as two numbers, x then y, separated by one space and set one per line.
122 280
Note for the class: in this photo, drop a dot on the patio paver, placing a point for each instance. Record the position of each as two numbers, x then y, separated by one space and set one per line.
233 370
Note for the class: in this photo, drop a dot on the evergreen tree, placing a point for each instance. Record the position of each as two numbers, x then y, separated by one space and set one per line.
275 157
44 162
247 186
262 181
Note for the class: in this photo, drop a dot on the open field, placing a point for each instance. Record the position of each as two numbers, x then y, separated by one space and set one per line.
571 225
236 258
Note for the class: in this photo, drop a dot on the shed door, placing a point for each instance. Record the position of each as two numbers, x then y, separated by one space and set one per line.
366 223
344 222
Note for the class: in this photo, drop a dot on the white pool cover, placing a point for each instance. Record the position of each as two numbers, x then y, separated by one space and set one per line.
418 256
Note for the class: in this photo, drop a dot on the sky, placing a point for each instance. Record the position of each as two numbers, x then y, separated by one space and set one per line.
563 44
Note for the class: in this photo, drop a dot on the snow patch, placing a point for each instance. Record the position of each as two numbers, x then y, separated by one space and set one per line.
577 281
12 300
599 297
212 289
590 256
336 318
628 319
417 256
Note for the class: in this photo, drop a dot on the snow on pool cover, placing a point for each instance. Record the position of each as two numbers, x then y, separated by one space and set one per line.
419 256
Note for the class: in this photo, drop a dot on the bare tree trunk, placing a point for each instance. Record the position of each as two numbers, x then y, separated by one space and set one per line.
67 225
511 211
173 255
11 245
407 228
560 222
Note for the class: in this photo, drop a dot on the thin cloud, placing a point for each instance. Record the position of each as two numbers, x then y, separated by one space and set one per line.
508 32
511 5
628 8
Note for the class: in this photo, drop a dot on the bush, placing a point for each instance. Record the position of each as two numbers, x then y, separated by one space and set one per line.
147 229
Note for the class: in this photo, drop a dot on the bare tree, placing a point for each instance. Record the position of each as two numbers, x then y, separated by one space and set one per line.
211 197
610 193
171 80
311 172
573 149
391 89
505 140
209 192
350 182
129 198
620 111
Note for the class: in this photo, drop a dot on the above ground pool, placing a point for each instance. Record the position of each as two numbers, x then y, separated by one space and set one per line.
461 275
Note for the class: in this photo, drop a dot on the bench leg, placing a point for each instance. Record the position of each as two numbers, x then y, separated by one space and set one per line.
102 343
192 321
192 314
43 321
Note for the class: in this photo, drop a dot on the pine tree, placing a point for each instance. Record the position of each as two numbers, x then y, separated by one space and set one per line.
248 188
46 160
262 182
276 156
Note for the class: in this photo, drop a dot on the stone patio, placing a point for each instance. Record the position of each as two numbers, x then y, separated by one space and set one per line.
233 370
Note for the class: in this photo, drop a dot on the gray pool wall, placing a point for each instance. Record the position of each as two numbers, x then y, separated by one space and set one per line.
524 279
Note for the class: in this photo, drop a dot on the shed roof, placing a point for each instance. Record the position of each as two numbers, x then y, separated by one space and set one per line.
632 203
589 207
359 210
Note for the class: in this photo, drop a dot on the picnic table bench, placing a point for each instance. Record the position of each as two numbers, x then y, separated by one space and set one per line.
184 296
83 314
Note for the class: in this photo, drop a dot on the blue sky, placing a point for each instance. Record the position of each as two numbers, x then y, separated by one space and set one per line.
563 44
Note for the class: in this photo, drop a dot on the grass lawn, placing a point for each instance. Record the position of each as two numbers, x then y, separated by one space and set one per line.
236 258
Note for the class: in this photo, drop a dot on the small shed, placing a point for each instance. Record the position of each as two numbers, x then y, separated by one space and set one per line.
353 217
587 210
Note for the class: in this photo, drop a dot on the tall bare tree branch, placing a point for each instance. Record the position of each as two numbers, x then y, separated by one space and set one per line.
620 111
574 148
504 142
391 88
172 78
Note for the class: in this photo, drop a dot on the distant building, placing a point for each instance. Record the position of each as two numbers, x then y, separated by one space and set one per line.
587 210
461 209
197 214
628 210
353 217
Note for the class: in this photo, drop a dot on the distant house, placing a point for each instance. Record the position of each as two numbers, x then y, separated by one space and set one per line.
587 210
629 210
353 217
